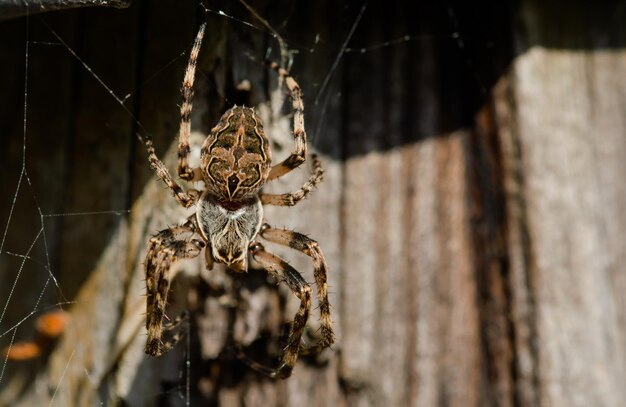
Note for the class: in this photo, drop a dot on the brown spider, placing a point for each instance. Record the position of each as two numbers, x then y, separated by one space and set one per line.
235 163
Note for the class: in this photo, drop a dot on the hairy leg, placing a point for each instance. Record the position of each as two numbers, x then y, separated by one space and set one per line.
164 249
311 248
161 171
299 154
282 271
292 198
184 171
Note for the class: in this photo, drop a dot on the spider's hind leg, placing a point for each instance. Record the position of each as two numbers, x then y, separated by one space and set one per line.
165 247
282 271
184 171
298 156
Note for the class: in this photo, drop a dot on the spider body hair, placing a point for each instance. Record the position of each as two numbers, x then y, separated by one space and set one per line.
229 231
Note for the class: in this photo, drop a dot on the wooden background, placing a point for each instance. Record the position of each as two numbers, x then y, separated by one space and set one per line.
472 212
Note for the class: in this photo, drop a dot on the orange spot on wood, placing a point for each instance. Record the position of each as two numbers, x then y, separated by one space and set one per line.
52 324
22 351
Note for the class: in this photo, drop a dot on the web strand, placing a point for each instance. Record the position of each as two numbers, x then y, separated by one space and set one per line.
342 50
23 169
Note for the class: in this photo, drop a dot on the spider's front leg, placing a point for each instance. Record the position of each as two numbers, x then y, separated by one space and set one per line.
282 271
311 248
165 248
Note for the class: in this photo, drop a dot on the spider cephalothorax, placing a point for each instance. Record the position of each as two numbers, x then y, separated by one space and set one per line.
235 163
229 231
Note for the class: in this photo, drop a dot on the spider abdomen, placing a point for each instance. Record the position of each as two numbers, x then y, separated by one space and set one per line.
236 157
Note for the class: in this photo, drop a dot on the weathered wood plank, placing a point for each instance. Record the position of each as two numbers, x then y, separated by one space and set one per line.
561 115
569 182
475 258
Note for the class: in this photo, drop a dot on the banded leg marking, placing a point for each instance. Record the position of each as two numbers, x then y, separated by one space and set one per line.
164 249
292 198
284 272
184 171
311 248
298 156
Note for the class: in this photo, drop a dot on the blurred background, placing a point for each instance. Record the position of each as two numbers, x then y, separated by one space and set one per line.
472 212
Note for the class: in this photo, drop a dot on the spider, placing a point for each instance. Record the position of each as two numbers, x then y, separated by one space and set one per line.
235 163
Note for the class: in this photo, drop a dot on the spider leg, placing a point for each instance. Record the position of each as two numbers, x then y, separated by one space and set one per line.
281 270
292 198
299 154
161 171
165 247
184 171
208 258
311 248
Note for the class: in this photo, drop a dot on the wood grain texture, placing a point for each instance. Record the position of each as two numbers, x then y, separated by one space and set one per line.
563 123
576 269
471 212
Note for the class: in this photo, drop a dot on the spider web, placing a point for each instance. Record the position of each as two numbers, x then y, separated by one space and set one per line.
29 250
